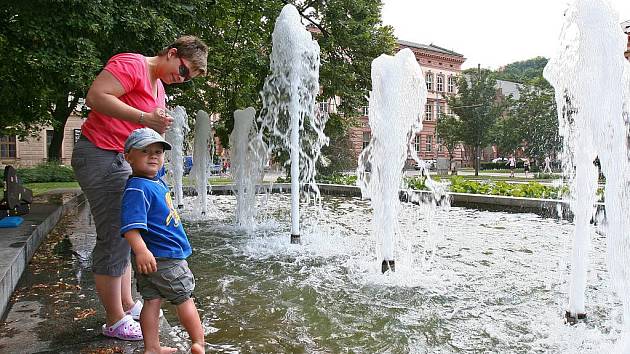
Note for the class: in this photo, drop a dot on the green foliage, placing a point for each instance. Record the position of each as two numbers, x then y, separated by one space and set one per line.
528 190
44 173
476 107
523 71
542 175
339 178
536 113
449 129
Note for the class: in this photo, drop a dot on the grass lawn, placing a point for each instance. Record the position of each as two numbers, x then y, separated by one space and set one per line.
39 188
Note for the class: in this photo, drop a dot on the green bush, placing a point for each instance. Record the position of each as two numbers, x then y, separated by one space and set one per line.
339 178
529 190
44 173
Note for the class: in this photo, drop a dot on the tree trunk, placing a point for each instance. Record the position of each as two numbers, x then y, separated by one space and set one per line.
60 114
477 158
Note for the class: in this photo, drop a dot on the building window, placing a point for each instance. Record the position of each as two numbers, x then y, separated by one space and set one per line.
441 109
416 144
450 84
49 137
7 147
429 143
440 83
77 135
366 139
324 107
440 141
428 112
429 80
365 110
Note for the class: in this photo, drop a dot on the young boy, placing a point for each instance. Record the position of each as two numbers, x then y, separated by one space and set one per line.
158 242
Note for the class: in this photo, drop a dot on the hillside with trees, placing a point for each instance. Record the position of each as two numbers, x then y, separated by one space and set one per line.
522 71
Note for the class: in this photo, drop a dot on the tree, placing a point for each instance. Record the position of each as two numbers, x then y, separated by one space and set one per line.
477 108
523 71
448 129
53 51
536 113
507 134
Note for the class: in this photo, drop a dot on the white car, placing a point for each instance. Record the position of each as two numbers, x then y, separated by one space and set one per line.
500 159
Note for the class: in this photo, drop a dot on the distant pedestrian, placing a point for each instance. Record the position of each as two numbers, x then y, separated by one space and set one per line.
526 166
512 163
547 165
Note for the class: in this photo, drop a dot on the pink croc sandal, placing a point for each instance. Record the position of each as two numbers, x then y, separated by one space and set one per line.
126 329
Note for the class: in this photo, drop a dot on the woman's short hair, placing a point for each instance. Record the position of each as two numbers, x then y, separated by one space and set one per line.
192 49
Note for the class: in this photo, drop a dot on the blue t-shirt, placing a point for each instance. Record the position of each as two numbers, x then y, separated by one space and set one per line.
148 207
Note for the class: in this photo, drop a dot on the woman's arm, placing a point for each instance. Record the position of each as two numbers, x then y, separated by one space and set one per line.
103 96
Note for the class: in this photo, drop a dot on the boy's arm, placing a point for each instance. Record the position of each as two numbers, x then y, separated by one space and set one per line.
144 258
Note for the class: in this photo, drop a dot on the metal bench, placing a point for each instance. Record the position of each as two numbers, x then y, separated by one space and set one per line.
16 199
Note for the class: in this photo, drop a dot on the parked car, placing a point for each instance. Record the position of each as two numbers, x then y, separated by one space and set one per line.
430 164
214 168
500 159
187 164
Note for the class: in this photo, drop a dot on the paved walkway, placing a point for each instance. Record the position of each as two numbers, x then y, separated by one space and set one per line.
54 308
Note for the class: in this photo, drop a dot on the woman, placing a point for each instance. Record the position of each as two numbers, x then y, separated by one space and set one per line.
126 95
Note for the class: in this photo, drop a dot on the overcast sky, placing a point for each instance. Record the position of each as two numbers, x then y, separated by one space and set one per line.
492 33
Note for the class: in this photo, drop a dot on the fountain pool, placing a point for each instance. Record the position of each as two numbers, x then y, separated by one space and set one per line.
465 280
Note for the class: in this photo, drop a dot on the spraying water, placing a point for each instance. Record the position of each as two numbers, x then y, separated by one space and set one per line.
590 76
176 135
288 118
396 102
247 167
201 159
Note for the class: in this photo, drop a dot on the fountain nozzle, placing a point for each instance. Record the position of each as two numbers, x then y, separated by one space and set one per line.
572 319
388 265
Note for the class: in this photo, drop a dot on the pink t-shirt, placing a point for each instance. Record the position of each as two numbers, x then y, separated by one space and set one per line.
132 72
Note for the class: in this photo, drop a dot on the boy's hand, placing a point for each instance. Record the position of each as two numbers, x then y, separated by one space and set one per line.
146 262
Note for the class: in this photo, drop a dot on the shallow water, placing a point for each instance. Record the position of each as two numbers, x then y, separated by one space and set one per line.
478 282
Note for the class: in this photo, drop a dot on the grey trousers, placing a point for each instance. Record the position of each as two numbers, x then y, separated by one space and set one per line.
102 175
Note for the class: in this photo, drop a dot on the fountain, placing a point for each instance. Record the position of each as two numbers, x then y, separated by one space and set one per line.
201 160
395 107
289 119
247 167
591 79
176 135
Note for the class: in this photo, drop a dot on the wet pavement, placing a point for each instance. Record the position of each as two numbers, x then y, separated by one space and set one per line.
54 308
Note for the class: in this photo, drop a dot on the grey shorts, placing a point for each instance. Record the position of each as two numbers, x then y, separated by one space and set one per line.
102 175
172 281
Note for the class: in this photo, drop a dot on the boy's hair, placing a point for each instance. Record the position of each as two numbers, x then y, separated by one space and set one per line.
193 49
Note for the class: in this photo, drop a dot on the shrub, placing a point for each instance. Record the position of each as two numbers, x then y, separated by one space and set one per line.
529 190
339 178
48 172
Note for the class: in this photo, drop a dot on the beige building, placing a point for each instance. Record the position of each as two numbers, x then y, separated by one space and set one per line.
34 151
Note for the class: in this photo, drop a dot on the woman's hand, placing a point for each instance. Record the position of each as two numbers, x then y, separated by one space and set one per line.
146 262
158 120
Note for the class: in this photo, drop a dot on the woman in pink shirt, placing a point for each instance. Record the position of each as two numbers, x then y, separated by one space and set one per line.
128 94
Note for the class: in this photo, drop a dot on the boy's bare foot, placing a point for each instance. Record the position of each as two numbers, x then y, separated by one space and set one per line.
163 350
197 348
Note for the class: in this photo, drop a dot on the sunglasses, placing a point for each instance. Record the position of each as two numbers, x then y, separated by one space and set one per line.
183 70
